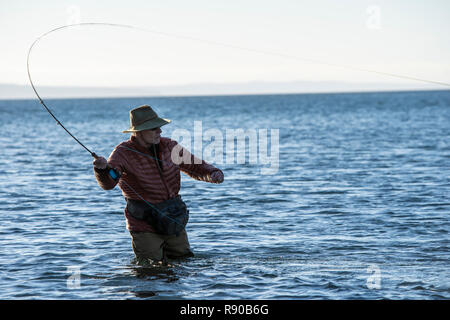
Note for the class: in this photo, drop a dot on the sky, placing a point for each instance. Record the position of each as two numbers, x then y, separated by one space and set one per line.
217 42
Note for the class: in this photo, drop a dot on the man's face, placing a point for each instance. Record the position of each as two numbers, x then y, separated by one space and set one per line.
148 137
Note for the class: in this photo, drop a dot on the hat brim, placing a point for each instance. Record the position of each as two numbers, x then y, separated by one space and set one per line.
148 125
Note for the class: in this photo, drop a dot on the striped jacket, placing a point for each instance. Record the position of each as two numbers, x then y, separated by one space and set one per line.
139 171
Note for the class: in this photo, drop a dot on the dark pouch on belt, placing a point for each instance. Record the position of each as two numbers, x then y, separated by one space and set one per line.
168 217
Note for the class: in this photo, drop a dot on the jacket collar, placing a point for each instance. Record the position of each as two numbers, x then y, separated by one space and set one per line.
137 146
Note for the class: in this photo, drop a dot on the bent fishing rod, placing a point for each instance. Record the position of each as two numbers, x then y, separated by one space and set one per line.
93 154
37 94
114 174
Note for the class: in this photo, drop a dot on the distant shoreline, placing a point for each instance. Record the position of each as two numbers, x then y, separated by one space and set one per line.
24 92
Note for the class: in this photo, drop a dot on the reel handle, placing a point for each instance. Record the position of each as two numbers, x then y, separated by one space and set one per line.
113 173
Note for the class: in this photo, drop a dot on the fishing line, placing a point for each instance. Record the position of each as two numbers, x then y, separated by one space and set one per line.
210 42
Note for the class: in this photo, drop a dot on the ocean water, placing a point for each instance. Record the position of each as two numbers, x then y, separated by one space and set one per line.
358 208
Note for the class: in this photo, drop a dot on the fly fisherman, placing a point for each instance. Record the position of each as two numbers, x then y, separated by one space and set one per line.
144 168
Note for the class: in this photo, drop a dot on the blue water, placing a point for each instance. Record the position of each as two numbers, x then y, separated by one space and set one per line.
359 208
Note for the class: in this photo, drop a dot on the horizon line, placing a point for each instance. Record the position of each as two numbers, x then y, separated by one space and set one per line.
362 91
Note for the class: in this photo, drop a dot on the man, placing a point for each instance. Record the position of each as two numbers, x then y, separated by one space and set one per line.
149 178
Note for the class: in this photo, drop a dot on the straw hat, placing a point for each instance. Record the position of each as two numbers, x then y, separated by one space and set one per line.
144 118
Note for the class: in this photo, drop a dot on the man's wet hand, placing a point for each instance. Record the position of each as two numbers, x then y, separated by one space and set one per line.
217 177
100 163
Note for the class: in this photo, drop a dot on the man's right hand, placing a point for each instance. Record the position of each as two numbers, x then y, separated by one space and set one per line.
100 163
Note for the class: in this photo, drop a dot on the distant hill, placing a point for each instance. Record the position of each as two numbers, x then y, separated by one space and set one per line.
12 91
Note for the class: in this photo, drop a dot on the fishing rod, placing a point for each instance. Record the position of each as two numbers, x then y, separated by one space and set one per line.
34 88
93 154
49 111
114 174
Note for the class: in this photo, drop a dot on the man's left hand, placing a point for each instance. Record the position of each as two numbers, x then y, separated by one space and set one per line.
217 177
